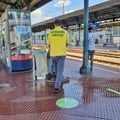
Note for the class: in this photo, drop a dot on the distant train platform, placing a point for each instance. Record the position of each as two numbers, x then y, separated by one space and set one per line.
104 46
94 96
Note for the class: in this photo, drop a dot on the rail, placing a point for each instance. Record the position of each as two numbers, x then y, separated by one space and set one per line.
102 56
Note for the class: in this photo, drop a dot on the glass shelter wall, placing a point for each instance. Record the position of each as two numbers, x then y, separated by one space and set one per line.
16 40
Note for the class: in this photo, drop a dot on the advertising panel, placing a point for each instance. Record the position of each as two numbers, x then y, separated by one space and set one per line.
20 31
20 38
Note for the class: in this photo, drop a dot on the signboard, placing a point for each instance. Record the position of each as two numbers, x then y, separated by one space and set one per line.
94 26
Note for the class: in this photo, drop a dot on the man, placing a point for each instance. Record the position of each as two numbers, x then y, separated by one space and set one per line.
58 41
92 39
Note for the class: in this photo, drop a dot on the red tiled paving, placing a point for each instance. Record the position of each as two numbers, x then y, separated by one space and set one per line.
22 99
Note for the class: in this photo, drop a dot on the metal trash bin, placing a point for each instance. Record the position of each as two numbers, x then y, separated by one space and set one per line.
40 68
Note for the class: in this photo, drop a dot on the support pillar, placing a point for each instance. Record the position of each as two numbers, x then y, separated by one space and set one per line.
45 36
85 69
70 36
79 33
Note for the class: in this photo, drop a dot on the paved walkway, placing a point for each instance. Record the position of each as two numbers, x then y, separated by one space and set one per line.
22 99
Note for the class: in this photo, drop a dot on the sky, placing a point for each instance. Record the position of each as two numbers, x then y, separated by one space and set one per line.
55 8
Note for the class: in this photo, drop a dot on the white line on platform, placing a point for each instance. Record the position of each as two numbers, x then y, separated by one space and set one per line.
74 62
108 70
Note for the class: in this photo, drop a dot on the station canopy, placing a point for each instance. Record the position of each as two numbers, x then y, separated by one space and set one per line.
21 4
100 12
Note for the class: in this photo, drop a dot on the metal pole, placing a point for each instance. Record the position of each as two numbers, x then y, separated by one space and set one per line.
79 32
45 36
85 68
63 8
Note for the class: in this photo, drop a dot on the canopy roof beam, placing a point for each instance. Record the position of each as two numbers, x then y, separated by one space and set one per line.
8 3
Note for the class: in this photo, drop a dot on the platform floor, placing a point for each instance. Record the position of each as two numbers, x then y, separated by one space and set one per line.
22 99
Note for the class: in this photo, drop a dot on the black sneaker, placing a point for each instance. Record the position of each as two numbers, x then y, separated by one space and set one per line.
57 90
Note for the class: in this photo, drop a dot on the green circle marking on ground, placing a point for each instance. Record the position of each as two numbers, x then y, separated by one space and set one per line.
67 103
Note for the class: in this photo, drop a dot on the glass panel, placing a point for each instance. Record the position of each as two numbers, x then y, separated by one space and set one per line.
20 32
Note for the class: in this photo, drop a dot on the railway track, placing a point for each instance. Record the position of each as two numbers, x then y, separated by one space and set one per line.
104 57
99 52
